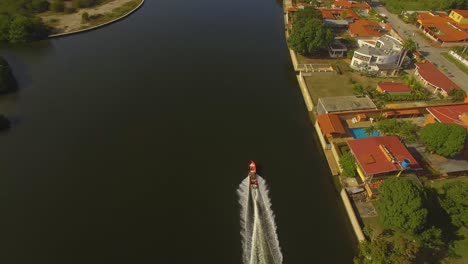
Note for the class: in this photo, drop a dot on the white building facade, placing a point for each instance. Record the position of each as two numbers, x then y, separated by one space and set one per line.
380 55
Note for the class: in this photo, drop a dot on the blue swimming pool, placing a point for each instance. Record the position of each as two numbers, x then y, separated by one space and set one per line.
360 133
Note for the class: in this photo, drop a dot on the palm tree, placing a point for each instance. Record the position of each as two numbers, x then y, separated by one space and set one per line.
408 45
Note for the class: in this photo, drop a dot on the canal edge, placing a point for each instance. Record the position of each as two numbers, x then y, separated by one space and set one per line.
98 26
331 159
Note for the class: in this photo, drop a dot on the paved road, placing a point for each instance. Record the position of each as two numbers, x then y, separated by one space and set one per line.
431 53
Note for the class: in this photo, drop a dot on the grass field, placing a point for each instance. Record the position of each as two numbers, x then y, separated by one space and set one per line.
322 84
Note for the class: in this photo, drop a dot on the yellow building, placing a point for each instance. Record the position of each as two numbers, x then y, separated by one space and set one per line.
459 16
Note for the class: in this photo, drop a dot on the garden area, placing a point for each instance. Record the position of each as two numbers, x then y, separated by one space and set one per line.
433 226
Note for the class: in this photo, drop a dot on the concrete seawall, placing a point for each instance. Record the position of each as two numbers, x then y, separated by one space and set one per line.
98 26
310 106
352 216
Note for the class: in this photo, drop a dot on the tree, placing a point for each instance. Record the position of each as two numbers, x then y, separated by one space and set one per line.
375 251
444 139
404 129
457 95
57 6
382 251
309 33
19 29
7 80
348 164
84 17
402 205
454 201
310 37
408 45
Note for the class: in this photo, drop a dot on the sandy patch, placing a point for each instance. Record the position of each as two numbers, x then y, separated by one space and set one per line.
72 22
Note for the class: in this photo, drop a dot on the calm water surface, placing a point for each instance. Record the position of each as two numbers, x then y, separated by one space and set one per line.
130 142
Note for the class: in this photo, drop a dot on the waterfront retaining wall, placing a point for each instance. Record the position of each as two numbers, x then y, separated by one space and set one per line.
352 216
305 92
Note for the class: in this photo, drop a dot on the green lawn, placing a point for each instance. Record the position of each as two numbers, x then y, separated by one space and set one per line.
333 84
396 6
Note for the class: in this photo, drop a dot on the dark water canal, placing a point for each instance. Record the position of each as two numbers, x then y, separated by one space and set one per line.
130 142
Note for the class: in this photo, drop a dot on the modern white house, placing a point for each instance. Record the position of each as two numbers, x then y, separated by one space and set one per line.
383 55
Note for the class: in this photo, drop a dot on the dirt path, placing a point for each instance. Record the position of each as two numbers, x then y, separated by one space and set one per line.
63 23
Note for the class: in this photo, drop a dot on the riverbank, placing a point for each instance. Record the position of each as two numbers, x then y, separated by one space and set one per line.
99 16
307 96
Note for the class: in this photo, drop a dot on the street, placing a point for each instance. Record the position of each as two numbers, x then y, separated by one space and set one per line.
431 53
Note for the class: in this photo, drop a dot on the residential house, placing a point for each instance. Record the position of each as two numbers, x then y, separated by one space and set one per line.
459 16
432 77
363 8
338 18
377 157
365 29
383 55
393 88
453 114
335 104
448 30
331 126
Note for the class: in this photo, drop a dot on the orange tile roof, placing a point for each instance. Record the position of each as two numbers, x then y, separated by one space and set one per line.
432 75
450 114
462 12
365 28
443 27
348 4
330 124
333 13
391 87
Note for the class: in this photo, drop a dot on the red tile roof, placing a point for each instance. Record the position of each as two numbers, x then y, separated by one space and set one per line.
330 124
391 87
450 114
436 78
443 27
365 28
333 13
371 154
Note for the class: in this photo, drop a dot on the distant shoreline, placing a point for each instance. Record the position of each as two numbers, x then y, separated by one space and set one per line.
98 26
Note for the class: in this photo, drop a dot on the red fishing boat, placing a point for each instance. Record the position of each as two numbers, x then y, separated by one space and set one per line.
253 175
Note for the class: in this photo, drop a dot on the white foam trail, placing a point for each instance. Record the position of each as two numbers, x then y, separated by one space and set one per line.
260 244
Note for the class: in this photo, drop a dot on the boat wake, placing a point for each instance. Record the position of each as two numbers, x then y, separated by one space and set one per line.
260 243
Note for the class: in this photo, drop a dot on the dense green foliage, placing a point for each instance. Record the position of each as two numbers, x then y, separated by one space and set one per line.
455 201
444 139
348 164
401 205
457 95
381 250
57 6
404 129
7 80
309 34
85 3
18 22
396 6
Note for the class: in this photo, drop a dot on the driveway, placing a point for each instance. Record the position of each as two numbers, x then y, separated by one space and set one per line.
431 53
